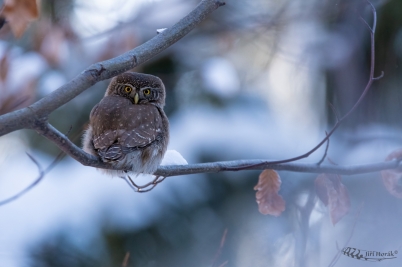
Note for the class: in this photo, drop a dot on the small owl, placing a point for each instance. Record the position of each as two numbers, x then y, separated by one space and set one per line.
128 127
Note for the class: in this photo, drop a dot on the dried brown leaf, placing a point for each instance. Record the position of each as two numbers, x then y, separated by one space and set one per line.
392 178
52 46
333 194
268 199
19 13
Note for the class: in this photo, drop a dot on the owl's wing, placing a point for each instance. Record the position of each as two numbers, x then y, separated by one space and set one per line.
116 121
103 135
94 112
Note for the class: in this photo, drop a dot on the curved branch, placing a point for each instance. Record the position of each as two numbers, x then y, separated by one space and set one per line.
42 174
35 116
27 117
78 154
260 164
363 94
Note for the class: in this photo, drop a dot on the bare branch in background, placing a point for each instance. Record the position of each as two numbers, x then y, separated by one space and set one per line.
125 260
325 152
338 254
219 252
175 170
37 113
35 116
42 174
340 120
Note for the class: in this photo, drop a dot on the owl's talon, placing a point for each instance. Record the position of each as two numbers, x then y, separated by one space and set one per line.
146 187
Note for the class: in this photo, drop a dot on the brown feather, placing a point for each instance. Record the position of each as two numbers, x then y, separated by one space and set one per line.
132 137
136 126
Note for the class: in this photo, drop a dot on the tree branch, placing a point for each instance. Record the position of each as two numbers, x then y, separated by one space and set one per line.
354 107
260 164
42 174
40 110
78 154
35 116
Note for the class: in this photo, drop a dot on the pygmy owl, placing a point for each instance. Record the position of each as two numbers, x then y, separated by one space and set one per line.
128 127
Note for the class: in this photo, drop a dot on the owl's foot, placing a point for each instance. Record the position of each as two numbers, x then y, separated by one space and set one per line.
146 187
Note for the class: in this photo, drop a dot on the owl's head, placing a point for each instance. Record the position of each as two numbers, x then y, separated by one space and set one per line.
139 88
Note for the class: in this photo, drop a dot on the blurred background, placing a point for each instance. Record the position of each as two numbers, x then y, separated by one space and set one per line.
252 81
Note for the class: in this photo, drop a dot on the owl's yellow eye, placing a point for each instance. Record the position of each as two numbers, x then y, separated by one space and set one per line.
127 89
147 92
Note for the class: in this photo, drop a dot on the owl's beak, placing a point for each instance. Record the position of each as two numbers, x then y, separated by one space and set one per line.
136 98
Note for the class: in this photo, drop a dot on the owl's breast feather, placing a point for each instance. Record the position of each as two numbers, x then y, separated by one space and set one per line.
116 120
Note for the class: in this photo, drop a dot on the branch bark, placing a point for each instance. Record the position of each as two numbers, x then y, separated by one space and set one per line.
39 111
35 116
260 164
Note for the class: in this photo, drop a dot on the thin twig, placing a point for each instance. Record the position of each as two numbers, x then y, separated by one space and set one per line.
218 253
338 254
338 123
39 111
213 167
379 77
365 22
325 152
332 162
42 174
334 111
125 260
35 116
75 152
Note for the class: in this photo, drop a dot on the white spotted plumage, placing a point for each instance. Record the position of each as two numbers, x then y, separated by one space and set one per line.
129 136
